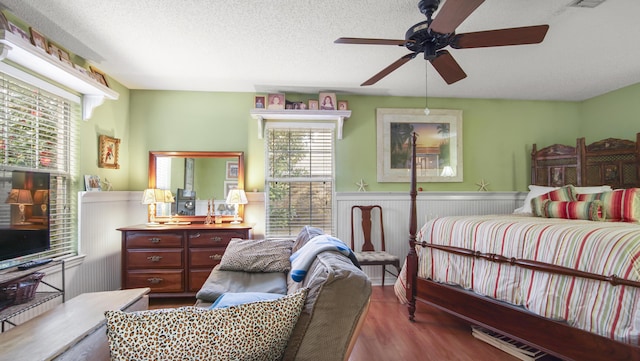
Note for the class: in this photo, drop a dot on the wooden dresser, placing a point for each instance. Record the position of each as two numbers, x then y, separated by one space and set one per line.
174 260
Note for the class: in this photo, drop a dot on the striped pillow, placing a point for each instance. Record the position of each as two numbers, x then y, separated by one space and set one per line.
621 205
574 210
564 194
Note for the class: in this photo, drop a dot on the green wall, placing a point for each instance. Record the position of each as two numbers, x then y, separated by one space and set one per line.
497 134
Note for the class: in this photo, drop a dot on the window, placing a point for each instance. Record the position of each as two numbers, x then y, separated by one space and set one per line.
38 133
299 179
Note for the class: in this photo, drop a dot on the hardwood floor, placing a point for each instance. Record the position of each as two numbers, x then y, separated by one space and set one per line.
389 335
434 336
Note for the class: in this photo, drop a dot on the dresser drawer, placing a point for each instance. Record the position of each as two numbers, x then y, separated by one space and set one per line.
213 238
205 257
154 258
197 277
153 239
158 280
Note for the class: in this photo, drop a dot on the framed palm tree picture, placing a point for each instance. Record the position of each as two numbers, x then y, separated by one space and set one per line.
438 144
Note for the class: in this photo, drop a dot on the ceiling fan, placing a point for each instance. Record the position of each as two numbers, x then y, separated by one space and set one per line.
433 35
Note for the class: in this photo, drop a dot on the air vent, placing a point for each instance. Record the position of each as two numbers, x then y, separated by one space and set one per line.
587 3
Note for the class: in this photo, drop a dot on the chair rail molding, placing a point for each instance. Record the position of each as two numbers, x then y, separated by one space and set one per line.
337 116
23 53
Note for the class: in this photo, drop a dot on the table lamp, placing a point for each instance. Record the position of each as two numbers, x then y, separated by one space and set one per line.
21 197
151 196
236 197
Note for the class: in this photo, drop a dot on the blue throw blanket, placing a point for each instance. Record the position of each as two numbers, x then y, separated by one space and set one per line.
301 260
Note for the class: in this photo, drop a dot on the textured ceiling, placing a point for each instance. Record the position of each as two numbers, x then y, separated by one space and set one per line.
287 46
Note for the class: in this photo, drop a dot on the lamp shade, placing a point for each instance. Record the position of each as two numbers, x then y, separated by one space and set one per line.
19 196
168 196
236 196
152 196
41 196
447 171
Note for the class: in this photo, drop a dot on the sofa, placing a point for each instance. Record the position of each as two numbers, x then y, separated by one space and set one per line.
337 290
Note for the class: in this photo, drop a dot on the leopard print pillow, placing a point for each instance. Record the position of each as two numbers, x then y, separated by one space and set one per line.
252 331
265 255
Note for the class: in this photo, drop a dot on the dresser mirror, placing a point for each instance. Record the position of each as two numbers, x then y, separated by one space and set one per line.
196 179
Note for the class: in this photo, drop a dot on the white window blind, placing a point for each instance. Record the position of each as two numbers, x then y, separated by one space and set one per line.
299 180
38 133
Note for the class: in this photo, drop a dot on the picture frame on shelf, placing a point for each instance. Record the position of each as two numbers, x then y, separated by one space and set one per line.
54 51
18 31
313 104
276 101
92 183
439 148
327 101
65 57
4 23
343 105
99 76
232 170
38 40
109 149
259 102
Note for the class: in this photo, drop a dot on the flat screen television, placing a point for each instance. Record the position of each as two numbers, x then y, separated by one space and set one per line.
24 213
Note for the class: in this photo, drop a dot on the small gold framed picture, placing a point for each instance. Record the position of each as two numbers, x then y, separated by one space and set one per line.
109 149
99 76
259 101
343 105
65 57
38 40
313 104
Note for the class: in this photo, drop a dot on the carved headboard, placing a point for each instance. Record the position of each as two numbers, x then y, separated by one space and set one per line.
614 162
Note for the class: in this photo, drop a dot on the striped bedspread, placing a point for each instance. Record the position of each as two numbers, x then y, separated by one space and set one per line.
604 248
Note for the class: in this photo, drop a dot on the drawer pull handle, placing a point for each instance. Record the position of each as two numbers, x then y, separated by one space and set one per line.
216 239
154 280
195 235
216 257
154 258
154 240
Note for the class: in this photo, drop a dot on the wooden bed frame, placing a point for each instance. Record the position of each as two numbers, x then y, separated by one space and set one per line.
616 160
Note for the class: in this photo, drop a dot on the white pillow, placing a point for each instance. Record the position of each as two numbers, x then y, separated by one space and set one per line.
534 191
591 190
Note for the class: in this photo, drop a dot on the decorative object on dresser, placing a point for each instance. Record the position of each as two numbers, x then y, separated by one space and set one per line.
236 197
152 197
174 260
547 259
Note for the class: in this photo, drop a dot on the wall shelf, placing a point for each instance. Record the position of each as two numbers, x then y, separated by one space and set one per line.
337 116
19 51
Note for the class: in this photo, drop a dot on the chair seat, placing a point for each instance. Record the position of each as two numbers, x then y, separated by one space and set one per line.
376 257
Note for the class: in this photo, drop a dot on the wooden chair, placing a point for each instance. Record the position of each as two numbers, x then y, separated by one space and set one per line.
369 256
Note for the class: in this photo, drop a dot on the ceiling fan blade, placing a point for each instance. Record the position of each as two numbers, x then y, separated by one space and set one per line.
452 14
368 41
448 67
500 37
384 72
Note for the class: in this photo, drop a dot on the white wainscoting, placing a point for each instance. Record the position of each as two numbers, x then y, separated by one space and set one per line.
395 206
100 214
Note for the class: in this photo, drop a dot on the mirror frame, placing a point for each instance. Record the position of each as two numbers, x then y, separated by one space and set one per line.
153 155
